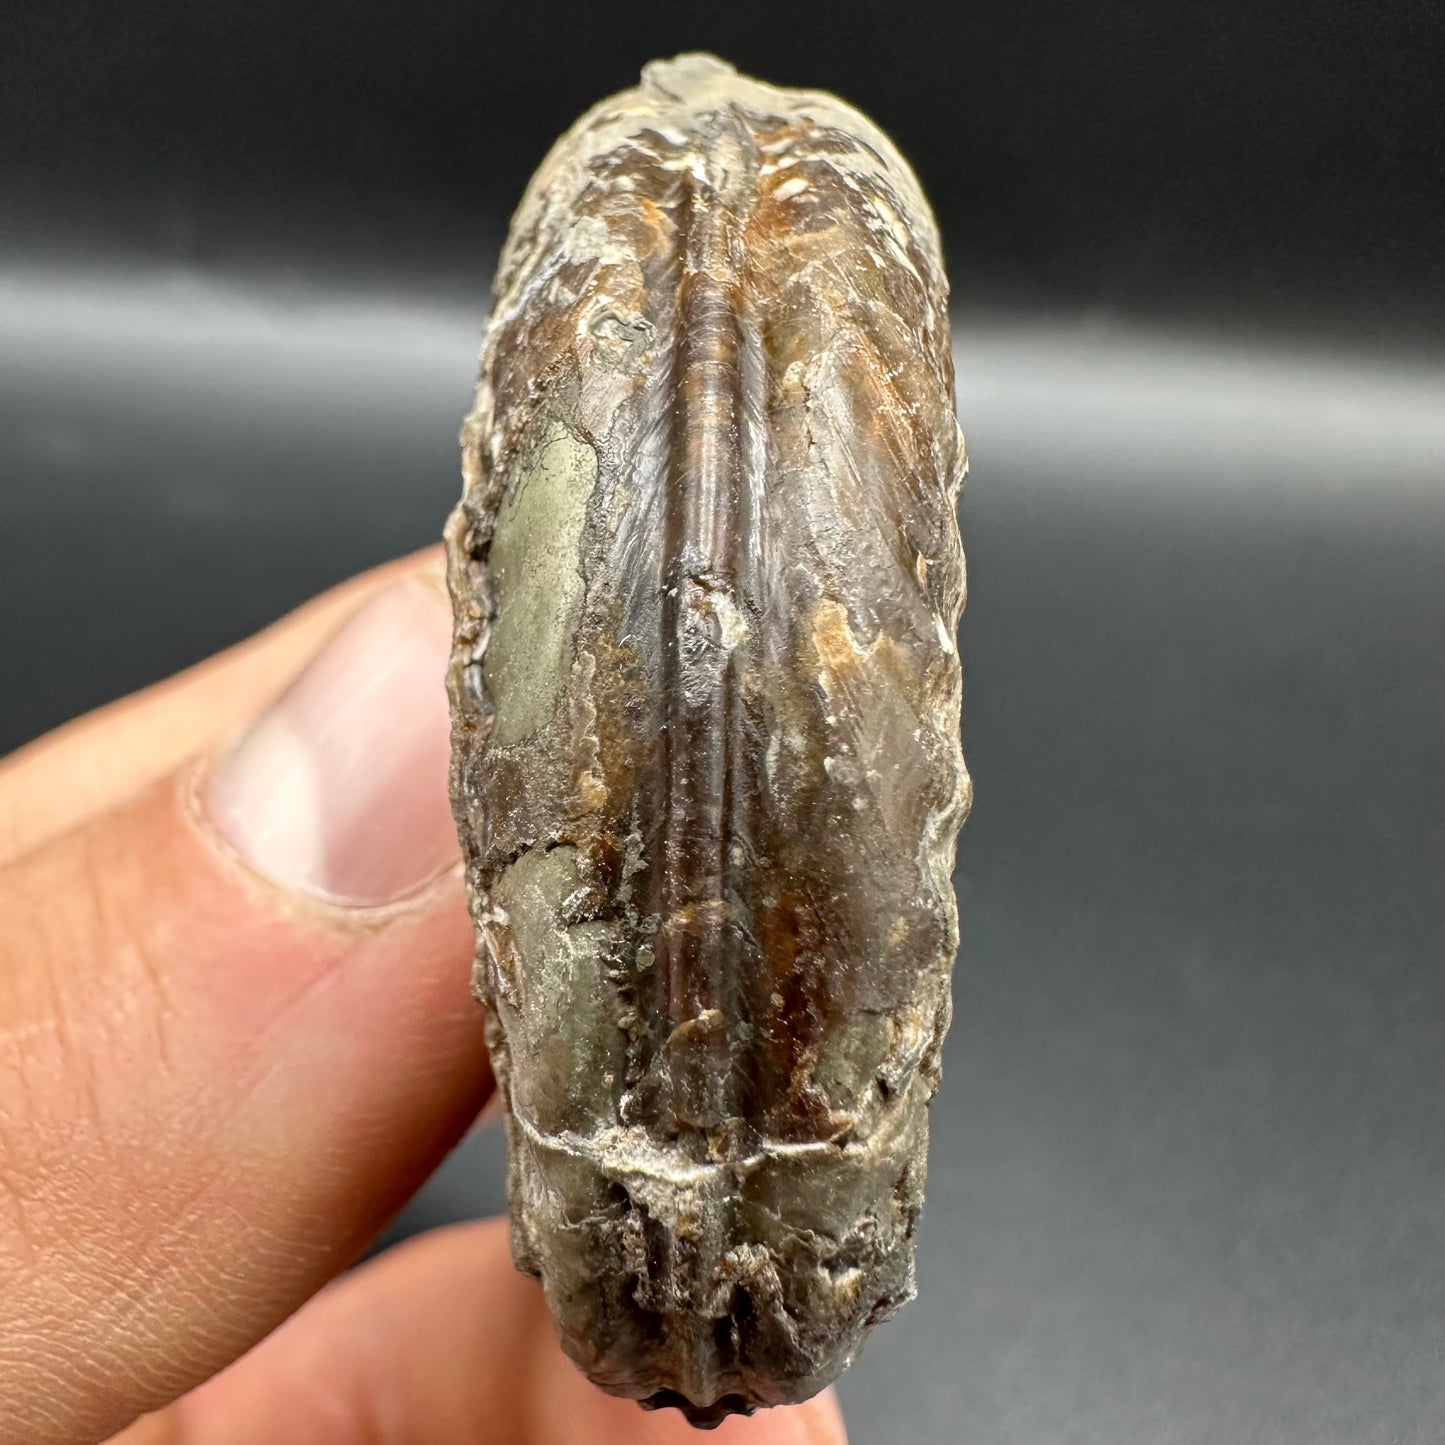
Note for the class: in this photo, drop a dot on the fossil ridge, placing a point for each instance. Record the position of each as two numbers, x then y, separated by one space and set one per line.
706 767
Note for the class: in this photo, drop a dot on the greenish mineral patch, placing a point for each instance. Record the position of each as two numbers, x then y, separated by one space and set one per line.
564 1024
535 566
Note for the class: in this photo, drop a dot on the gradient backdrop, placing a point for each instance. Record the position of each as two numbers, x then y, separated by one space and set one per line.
1188 1174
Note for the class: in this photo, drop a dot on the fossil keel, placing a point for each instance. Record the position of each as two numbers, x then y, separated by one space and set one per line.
706 769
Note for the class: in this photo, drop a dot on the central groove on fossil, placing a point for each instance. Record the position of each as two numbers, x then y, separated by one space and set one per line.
704 622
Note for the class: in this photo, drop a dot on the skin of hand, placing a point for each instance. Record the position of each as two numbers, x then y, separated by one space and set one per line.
235 1036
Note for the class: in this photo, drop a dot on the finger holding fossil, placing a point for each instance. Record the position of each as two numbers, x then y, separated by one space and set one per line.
707 775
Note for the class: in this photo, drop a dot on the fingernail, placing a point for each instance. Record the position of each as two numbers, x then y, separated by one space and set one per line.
340 789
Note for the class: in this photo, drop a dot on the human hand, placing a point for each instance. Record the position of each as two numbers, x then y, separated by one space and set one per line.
235 1036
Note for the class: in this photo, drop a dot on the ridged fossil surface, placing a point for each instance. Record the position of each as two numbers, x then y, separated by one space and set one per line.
707 772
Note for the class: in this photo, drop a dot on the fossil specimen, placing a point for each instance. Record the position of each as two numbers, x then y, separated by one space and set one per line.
707 775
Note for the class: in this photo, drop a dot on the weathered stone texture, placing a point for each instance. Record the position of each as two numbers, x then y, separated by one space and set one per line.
707 771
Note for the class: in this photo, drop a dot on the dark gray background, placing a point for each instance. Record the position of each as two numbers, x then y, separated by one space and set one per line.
1188 1173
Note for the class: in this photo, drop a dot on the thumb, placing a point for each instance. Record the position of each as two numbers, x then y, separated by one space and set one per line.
234 1034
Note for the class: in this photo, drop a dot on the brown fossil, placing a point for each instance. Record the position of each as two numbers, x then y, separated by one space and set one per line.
707 774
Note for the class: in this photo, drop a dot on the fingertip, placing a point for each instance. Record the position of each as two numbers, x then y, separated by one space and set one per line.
824 1421
569 1407
339 790
818 1421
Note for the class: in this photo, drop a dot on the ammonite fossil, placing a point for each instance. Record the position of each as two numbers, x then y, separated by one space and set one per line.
707 773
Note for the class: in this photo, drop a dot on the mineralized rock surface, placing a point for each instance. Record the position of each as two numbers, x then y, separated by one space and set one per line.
707 775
